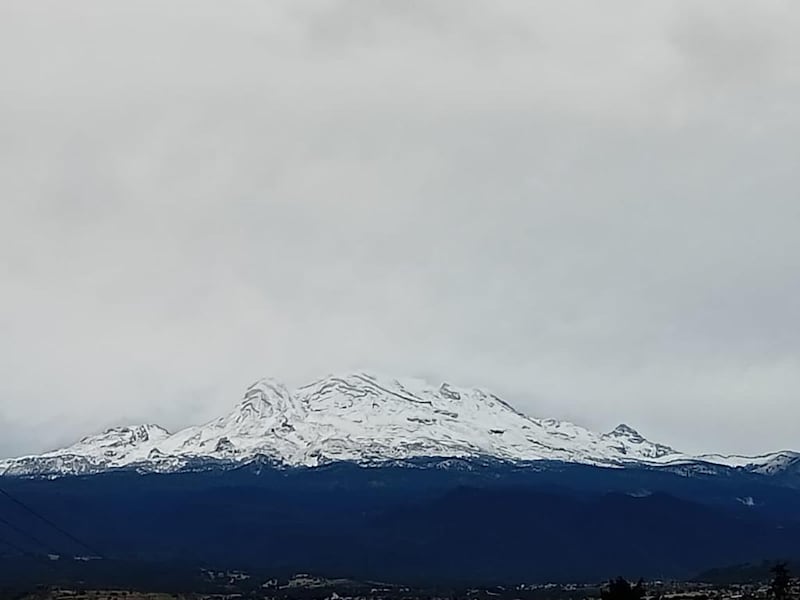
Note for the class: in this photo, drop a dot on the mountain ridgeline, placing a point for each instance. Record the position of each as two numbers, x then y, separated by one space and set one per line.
368 420
381 478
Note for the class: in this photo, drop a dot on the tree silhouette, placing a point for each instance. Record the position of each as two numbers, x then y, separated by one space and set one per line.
621 589
780 581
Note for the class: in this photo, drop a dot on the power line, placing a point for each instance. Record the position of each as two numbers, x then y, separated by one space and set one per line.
44 519
37 557
19 549
27 534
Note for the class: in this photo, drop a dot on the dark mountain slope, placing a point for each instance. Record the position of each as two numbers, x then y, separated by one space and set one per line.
490 523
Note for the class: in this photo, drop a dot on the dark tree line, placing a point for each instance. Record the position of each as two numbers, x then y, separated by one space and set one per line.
621 589
781 579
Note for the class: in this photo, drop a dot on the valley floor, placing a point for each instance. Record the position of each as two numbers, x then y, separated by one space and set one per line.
309 588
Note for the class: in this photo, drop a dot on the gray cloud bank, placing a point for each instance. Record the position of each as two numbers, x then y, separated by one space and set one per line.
591 209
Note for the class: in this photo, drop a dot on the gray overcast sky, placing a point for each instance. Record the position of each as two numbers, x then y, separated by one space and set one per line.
592 209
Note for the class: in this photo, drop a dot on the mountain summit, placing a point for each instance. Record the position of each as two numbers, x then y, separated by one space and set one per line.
356 417
627 437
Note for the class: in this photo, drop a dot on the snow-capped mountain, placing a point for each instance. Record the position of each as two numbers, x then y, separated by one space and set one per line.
361 418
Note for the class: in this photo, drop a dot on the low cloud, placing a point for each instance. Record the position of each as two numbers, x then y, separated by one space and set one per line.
592 212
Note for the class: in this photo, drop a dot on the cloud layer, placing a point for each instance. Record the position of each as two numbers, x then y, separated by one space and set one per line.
592 212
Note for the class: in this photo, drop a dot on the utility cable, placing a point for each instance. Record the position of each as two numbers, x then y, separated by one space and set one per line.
30 536
44 519
17 548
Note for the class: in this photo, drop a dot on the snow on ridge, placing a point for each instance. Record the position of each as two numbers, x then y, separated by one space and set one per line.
356 417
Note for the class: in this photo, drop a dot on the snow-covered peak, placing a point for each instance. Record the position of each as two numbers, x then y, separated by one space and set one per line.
266 399
132 435
629 441
368 390
765 464
625 431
